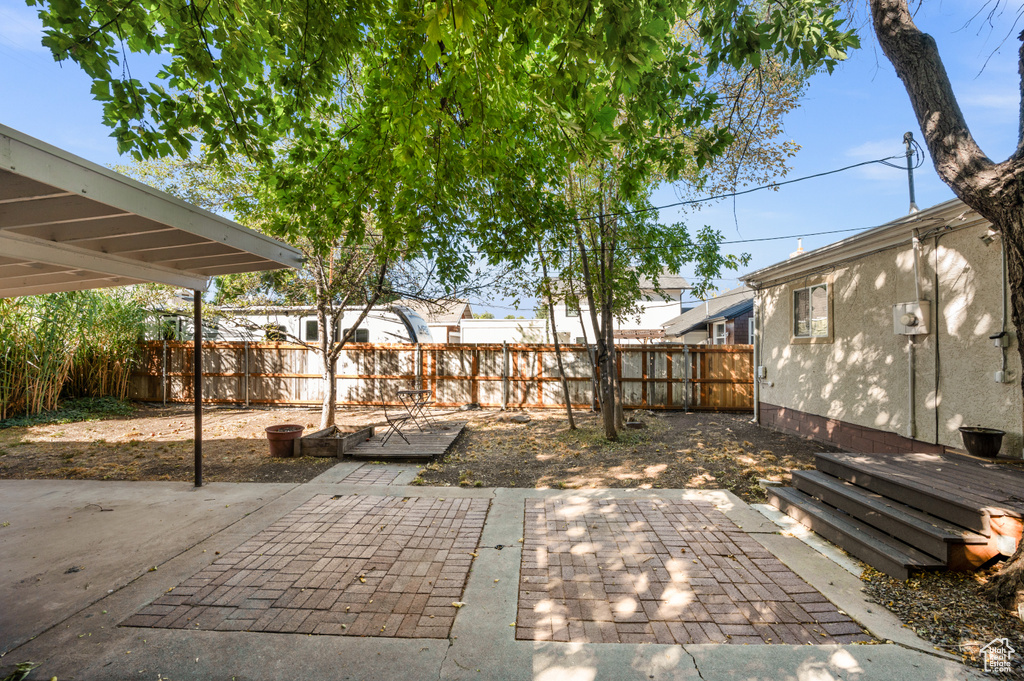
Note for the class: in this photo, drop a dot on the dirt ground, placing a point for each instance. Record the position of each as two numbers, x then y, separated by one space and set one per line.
156 444
674 450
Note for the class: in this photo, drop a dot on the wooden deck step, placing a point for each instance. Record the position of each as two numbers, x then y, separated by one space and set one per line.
932 535
871 545
958 507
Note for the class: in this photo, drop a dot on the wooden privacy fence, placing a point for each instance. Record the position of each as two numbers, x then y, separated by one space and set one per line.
700 377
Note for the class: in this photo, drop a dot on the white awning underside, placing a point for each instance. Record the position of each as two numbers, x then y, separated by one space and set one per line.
68 224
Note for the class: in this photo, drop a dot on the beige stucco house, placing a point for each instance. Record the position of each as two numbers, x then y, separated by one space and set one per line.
892 339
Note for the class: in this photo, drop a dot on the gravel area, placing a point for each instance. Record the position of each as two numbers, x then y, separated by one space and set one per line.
947 608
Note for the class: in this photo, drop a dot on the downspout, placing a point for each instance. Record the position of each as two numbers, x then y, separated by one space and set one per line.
756 340
1002 326
912 410
935 341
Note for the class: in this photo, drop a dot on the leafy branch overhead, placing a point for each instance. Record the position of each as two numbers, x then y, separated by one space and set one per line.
441 119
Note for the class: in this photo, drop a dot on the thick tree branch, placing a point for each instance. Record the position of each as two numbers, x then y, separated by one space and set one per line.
958 159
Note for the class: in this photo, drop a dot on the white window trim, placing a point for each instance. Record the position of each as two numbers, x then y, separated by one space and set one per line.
824 333
716 338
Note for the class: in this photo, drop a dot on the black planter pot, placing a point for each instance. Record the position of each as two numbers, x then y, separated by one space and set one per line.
982 441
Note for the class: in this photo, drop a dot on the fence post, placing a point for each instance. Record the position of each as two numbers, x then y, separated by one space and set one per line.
504 376
245 365
686 377
163 378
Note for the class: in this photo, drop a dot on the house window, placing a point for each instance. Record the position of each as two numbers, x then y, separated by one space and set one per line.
360 336
750 330
312 330
572 308
810 312
720 333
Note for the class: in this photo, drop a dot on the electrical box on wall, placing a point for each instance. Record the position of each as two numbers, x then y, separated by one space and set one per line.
911 319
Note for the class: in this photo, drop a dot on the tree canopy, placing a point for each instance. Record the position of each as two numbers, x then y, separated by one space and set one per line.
443 120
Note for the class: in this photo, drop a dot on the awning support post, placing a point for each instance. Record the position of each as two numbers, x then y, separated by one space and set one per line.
197 381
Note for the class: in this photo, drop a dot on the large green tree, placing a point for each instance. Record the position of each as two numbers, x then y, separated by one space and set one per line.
435 115
343 271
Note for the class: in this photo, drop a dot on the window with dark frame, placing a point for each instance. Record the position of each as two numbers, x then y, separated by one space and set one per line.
810 312
572 308
312 330
360 336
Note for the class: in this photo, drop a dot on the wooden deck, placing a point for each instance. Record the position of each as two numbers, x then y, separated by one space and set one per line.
422 446
903 513
986 487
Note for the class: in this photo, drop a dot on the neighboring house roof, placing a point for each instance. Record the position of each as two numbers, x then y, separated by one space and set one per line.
952 213
440 311
728 305
666 280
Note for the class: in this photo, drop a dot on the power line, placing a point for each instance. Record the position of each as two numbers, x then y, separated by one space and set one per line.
792 236
919 160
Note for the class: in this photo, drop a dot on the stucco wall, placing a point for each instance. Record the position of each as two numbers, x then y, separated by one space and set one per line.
861 374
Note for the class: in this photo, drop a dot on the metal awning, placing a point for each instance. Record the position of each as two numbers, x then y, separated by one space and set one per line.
68 224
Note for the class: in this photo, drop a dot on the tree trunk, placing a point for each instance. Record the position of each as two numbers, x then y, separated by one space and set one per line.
994 190
558 347
606 393
1006 587
328 366
328 410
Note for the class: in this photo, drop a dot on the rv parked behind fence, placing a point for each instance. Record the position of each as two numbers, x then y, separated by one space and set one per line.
385 324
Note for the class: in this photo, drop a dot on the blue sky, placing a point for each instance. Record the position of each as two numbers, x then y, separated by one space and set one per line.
858 113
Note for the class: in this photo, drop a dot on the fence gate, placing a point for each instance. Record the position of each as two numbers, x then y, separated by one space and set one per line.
697 377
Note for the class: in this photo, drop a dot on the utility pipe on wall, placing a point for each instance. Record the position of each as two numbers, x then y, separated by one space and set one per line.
912 402
756 340
1003 301
911 358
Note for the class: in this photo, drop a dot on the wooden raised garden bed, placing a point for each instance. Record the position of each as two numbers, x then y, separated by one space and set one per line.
334 440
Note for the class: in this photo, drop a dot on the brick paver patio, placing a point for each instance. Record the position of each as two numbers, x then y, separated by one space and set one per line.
371 475
351 565
661 572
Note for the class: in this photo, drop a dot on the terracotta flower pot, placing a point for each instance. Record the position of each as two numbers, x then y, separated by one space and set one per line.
282 438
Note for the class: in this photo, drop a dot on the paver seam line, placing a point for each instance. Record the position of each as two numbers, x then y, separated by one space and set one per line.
140 576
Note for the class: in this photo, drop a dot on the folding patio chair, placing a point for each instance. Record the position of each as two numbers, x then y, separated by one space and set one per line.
395 423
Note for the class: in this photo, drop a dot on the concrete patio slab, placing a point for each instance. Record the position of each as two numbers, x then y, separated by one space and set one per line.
70 543
82 638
